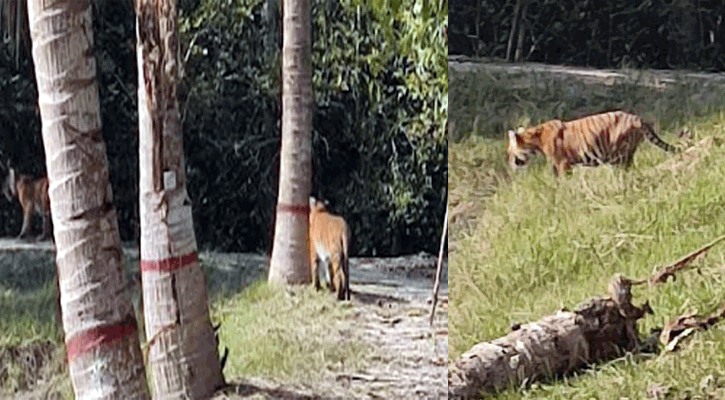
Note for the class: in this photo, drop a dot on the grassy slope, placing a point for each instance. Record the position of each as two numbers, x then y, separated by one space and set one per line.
540 244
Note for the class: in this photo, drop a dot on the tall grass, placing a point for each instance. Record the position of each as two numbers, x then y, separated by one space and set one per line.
541 243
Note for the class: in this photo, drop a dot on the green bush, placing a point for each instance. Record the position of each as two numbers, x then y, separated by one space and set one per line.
380 150
659 34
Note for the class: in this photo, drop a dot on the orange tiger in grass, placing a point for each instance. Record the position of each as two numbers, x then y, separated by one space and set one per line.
606 138
33 197
329 246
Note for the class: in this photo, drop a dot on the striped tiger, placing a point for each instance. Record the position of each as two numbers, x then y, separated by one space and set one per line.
606 138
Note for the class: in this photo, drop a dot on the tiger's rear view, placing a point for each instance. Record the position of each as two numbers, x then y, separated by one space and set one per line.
606 138
328 247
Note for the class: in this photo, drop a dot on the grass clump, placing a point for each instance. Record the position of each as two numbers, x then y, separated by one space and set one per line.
27 298
284 335
539 243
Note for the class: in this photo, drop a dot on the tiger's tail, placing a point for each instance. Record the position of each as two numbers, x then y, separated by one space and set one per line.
345 264
650 134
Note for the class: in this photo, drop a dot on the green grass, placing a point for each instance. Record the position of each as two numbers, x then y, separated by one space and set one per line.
27 298
270 332
275 334
539 243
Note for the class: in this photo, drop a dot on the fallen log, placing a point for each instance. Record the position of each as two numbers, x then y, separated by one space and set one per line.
557 344
597 331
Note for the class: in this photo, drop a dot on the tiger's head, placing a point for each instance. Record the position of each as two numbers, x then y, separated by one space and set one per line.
317 204
523 144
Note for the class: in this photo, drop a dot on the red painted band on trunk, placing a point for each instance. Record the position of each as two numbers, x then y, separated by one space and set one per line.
303 209
168 265
99 336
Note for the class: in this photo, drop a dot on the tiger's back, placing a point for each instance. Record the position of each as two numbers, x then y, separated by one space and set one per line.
329 245
33 193
605 138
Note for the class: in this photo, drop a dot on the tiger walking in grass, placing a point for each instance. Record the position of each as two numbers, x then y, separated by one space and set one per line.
605 138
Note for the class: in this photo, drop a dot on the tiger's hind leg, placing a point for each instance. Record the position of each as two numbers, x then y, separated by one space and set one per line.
339 280
314 269
47 228
321 275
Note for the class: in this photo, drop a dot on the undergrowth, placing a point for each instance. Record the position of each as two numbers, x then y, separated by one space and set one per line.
270 333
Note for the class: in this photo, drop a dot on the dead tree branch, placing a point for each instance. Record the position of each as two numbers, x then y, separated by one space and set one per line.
557 344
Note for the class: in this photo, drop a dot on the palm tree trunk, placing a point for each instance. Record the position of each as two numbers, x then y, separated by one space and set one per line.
182 349
289 263
104 355
514 23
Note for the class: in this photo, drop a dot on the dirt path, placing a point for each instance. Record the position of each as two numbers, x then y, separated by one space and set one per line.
651 78
391 312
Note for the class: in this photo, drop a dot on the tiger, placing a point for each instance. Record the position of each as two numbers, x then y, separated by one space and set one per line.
606 138
33 197
329 240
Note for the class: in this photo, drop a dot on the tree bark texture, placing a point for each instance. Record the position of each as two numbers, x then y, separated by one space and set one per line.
439 267
182 351
514 24
103 350
289 263
522 31
555 345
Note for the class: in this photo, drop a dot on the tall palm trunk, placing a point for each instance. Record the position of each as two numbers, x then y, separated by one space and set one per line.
182 349
289 262
102 342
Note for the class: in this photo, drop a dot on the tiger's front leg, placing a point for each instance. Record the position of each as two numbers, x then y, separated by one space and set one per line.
27 219
561 167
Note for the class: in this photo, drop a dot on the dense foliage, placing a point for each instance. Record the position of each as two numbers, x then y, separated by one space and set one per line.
380 87
659 34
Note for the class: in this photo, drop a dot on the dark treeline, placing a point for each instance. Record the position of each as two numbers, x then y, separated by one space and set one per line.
641 34
379 146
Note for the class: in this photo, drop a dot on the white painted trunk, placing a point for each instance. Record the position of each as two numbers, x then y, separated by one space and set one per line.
289 263
104 354
182 351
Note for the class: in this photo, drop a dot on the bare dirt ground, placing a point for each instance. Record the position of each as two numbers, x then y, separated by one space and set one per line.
390 311
651 78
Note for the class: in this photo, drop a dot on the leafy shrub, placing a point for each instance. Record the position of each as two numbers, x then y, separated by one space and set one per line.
380 87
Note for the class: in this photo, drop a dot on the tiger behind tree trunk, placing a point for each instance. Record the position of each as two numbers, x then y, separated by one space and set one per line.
606 138
329 245
33 197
